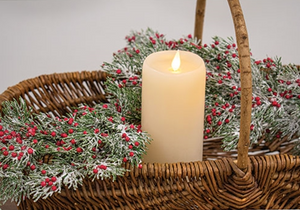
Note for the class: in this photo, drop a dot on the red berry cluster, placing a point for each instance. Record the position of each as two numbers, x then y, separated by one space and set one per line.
220 114
268 63
131 81
49 182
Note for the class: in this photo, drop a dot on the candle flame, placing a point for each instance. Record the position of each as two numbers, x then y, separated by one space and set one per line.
176 61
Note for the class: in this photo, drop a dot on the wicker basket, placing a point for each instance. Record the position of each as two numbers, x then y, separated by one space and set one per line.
248 182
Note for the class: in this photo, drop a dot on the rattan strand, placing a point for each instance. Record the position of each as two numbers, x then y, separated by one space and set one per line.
270 182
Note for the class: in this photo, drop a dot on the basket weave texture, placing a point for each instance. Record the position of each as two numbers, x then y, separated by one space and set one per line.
256 180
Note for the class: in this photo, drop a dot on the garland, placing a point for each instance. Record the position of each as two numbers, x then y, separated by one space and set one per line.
40 153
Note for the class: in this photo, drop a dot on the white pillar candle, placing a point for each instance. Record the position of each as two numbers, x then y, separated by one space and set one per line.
173 107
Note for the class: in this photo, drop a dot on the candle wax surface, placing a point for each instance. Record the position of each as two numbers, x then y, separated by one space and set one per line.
173 107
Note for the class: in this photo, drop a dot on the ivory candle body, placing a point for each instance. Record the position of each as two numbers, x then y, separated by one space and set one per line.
173 107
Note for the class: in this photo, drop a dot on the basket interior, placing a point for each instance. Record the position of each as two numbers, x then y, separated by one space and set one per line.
57 94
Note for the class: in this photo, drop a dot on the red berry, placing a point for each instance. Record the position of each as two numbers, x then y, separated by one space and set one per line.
95 171
131 154
105 106
227 121
73 141
43 183
96 130
43 172
127 139
269 89
53 188
5 166
71 131
140 166
79 150
110 119
119 71
219 123
53 179
30 150
136 143
50 183
14 154
124 159
32 167
84 132
130 146
5 153
64 135
70 122
11 147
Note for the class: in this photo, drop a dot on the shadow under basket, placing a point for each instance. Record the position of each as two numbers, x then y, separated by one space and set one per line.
270 179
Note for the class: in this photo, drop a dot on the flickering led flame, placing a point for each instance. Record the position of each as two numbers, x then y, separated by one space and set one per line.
176 61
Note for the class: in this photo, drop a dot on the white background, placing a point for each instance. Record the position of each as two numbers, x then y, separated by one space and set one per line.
43 37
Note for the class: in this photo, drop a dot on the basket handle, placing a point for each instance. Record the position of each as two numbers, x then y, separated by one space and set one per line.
245 67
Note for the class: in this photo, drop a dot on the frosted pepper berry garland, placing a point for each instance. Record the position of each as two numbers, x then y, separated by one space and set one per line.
39 154
276 87
42 153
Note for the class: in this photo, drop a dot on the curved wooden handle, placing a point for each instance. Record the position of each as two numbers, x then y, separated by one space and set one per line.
199 19
246 78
